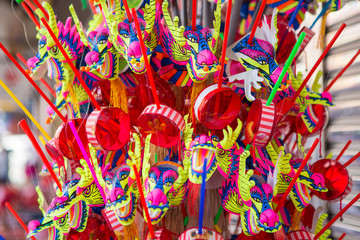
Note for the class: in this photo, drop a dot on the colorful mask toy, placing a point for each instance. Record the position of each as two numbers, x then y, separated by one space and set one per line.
187 55
165 186
124 37
247 61
122 190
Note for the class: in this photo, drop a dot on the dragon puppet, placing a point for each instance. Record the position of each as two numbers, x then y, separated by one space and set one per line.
250 64
185 55
69 91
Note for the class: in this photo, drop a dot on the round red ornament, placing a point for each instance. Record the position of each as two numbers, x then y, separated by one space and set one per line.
108 128
260 123
65 140
217 107
337 179
164 123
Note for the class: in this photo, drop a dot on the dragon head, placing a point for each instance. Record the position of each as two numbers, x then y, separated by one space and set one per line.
165 186
61 204
261 216
260 55
103 58
124 35
194 46
203 147
122 194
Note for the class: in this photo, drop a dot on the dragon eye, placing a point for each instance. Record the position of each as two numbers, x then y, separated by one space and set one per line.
152 180
192 39
102 41
124 176
263 62
124 35
257 199
168 184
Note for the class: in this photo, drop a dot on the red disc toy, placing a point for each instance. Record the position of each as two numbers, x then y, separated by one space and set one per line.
337 179
65 140
215 108
108 128
260 123
164 123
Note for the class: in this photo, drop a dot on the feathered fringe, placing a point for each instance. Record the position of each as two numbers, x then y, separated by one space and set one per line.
118 96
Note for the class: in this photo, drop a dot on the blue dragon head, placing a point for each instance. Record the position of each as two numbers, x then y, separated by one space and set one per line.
122 195
194 48
124 35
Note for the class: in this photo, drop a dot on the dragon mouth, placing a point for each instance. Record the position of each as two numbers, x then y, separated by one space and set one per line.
119 203
267 228
156 213
126 209
61 207
198 158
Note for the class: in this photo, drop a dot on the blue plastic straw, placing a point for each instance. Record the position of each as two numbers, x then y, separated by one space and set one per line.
323 11
293 16
202 197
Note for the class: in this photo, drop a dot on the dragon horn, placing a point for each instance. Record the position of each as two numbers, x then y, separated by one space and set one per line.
52 19
78 25
183 175
217 24
242 175
176 32
119 13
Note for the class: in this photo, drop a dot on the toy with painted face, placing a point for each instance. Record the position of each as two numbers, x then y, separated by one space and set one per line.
124 36
122 191
248 61
261 216
69 89
193 234
165 186
103 59
299 194
189 52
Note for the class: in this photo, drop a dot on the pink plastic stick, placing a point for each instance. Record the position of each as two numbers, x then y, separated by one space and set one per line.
297 174
87 159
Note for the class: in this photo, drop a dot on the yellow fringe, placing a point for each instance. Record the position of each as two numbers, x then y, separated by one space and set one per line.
130 231
321 39
118 96
295 221
195 90
74 99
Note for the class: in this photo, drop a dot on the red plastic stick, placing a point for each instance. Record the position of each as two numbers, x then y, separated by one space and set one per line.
193 17
297 174
25 127
7 204
142 199
78 75
351 160
127 10
342 71
337 216
30 14
257 20
342 236
337 34
343 150
226 34
48 87
146 60
33 8
51 104
41 8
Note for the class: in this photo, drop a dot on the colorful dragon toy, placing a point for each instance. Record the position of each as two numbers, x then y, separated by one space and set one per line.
124 37
247 61
68 88
122 192
287 168
185 55
248 195
165 186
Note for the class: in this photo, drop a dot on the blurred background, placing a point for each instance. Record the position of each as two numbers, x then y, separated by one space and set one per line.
20 164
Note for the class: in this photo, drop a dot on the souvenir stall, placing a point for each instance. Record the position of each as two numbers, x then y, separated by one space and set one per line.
170 119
